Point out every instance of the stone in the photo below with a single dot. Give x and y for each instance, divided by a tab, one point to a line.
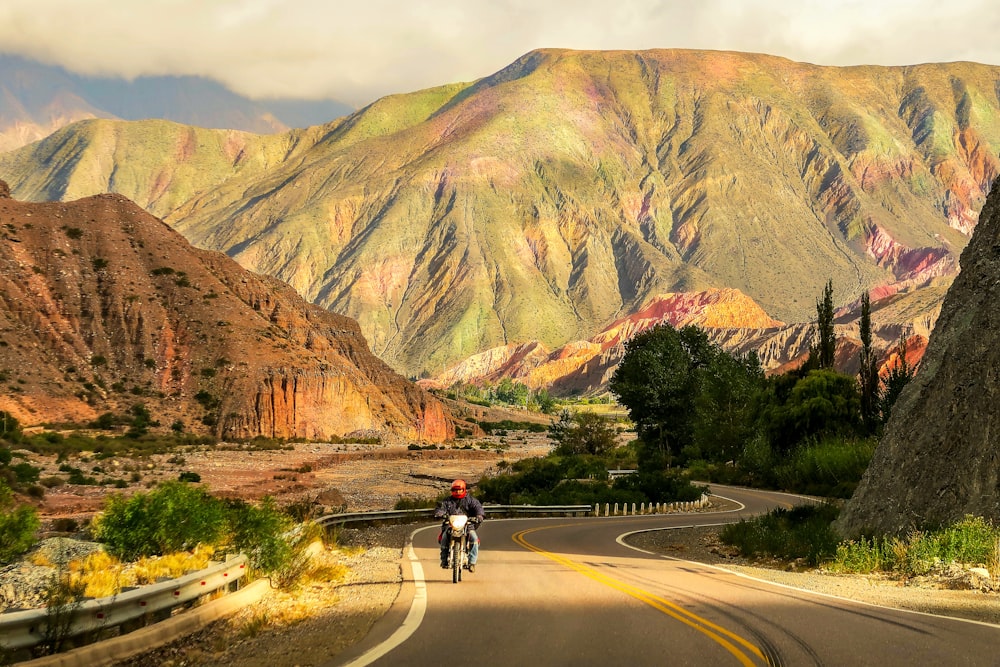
939	459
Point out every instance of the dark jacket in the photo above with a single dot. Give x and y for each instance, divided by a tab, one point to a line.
467	505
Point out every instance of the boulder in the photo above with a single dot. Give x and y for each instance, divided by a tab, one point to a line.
939	458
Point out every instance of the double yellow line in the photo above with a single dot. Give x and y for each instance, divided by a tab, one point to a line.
715	632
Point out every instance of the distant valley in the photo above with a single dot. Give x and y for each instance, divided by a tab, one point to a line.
522	224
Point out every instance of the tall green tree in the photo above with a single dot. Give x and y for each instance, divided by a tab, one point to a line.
584	433
868	377
726	406
687	396
826	342
822	403
657	382
899	375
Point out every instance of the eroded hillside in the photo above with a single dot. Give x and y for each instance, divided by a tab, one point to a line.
571	189
103	306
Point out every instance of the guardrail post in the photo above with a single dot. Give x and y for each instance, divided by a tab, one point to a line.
616	509
633	509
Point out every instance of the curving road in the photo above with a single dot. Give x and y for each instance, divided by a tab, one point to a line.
570	592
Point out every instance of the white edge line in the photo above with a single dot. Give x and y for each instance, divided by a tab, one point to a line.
413	618
418	608
621	538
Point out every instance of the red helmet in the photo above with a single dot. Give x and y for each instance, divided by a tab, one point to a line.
458	489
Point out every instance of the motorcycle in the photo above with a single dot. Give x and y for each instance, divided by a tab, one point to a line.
457	532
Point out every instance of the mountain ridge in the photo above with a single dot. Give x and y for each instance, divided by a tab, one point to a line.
546	201
38	99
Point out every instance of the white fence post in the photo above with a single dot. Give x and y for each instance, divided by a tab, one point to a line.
616	509
633	509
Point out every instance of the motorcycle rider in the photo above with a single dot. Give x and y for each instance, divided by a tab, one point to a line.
460	502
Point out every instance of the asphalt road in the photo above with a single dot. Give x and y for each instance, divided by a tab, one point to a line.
567	591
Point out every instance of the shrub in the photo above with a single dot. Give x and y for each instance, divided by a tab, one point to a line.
258	532
803	532
25	473
17	526
831	467
173	517
189	476
971	541
404	503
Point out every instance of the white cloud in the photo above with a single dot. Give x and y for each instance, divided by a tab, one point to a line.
356	53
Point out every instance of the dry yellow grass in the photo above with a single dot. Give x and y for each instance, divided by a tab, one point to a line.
149	570
101	575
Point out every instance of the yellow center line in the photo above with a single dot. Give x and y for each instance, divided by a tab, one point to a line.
715	632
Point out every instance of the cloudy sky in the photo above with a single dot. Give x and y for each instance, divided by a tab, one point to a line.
357	51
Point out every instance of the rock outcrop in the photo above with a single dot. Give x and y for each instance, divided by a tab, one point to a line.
940	457
103	306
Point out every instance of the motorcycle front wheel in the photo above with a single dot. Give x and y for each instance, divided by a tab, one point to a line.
456	562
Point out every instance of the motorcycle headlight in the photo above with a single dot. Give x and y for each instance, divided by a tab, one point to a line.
458	521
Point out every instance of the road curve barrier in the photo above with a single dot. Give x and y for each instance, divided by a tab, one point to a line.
94	619
611	509
410	516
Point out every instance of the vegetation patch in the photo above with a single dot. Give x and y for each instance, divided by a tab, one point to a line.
973	541
803	533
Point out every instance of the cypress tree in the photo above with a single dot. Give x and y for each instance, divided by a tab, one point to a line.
826	345
868	375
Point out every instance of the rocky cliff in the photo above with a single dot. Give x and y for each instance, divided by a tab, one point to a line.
103	306
940	457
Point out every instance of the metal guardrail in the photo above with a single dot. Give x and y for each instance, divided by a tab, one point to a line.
404	516
20	630
25	629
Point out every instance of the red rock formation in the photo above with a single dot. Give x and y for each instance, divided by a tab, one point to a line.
103	306
585	365
731	320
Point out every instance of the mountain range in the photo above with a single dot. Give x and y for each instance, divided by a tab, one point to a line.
571	193
37	99
103	306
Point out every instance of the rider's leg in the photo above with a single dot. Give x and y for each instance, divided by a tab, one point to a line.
445	547
473	547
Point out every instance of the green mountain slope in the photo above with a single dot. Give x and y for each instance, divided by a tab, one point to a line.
569	189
